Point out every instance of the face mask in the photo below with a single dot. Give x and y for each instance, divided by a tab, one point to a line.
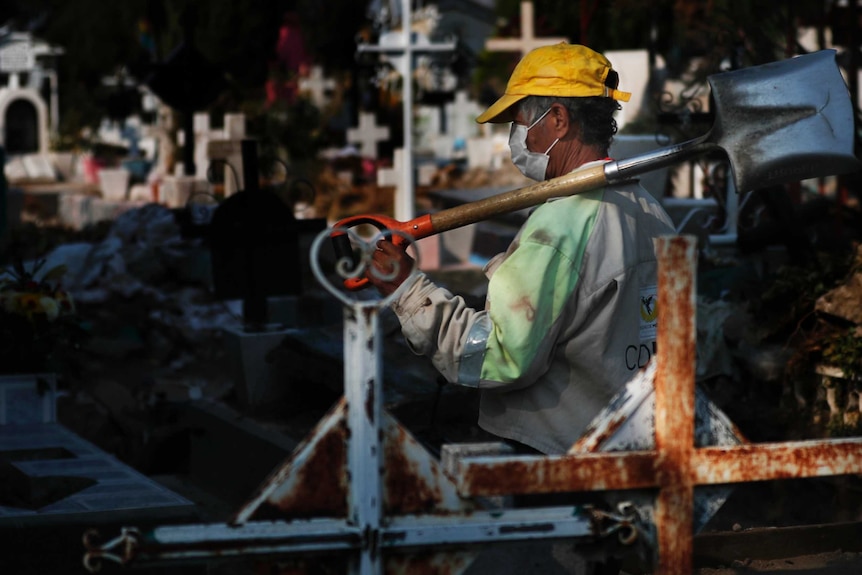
531	164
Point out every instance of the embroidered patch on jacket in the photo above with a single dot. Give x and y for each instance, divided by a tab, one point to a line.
648	312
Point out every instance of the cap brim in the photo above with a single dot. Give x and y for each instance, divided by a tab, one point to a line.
501	112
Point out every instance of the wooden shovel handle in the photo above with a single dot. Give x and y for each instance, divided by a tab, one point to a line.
579	181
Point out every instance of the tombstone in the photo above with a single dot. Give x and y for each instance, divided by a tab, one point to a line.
258	254
316	86
254	240
52	476
24	115
634	70
439	133
227	148
488	152
461	116
527	41
367	134
427	128
394	177
218	145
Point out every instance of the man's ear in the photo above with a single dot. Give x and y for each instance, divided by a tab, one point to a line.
562	124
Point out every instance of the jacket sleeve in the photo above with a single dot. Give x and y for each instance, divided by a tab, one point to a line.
511	343
441	326
508	345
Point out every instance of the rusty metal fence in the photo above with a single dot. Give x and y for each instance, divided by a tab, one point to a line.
361	487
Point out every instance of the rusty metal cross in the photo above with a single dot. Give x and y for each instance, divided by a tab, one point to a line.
675	467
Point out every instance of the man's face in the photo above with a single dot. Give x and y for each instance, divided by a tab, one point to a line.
539	133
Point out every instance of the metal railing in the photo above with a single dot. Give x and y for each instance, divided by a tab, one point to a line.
360	485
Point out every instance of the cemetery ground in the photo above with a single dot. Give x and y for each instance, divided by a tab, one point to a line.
153	386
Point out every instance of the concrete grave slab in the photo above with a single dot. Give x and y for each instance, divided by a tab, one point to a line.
50	450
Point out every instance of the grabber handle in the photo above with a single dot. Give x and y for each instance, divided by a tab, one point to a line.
416	228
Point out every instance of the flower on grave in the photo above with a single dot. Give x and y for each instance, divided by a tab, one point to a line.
40	330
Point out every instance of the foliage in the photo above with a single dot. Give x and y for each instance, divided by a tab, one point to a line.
844	351
786	312
40	330
787	301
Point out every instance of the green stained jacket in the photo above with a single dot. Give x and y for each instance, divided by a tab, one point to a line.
569	318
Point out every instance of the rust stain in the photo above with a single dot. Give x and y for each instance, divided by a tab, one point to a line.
591	443
524	304
587	472
320	483
407	491
758	462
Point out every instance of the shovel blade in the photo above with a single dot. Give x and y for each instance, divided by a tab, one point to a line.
785	121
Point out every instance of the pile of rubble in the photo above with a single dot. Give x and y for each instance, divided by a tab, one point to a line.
143	295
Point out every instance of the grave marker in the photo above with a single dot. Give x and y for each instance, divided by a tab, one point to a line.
391	176
400	52
228	149
461	116
527	41
317	86
634	70
367	134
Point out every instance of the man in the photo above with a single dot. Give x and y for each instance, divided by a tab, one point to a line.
563	328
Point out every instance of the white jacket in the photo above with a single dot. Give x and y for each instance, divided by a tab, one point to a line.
570	316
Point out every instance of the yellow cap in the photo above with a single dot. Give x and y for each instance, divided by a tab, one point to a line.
564	70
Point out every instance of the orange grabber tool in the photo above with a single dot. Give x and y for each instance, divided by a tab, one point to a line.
416	228
581	180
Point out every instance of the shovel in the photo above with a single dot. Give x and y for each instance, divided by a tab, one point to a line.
777	123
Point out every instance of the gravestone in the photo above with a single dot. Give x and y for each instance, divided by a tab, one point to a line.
28	399
50	475
428	129
441	133
634	70
259	253
251	231
461	116
317	86
227	149
394	177
367	134
54	476
527	41
24	114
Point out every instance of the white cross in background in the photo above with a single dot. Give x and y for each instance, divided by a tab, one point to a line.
527	41
461	116
403	52
367	134
316	86
227	147
392	176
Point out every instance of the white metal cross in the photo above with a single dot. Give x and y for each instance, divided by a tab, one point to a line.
367	134
391	176
405	207
316	85
527	41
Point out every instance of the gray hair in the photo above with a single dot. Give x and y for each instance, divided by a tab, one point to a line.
594	115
